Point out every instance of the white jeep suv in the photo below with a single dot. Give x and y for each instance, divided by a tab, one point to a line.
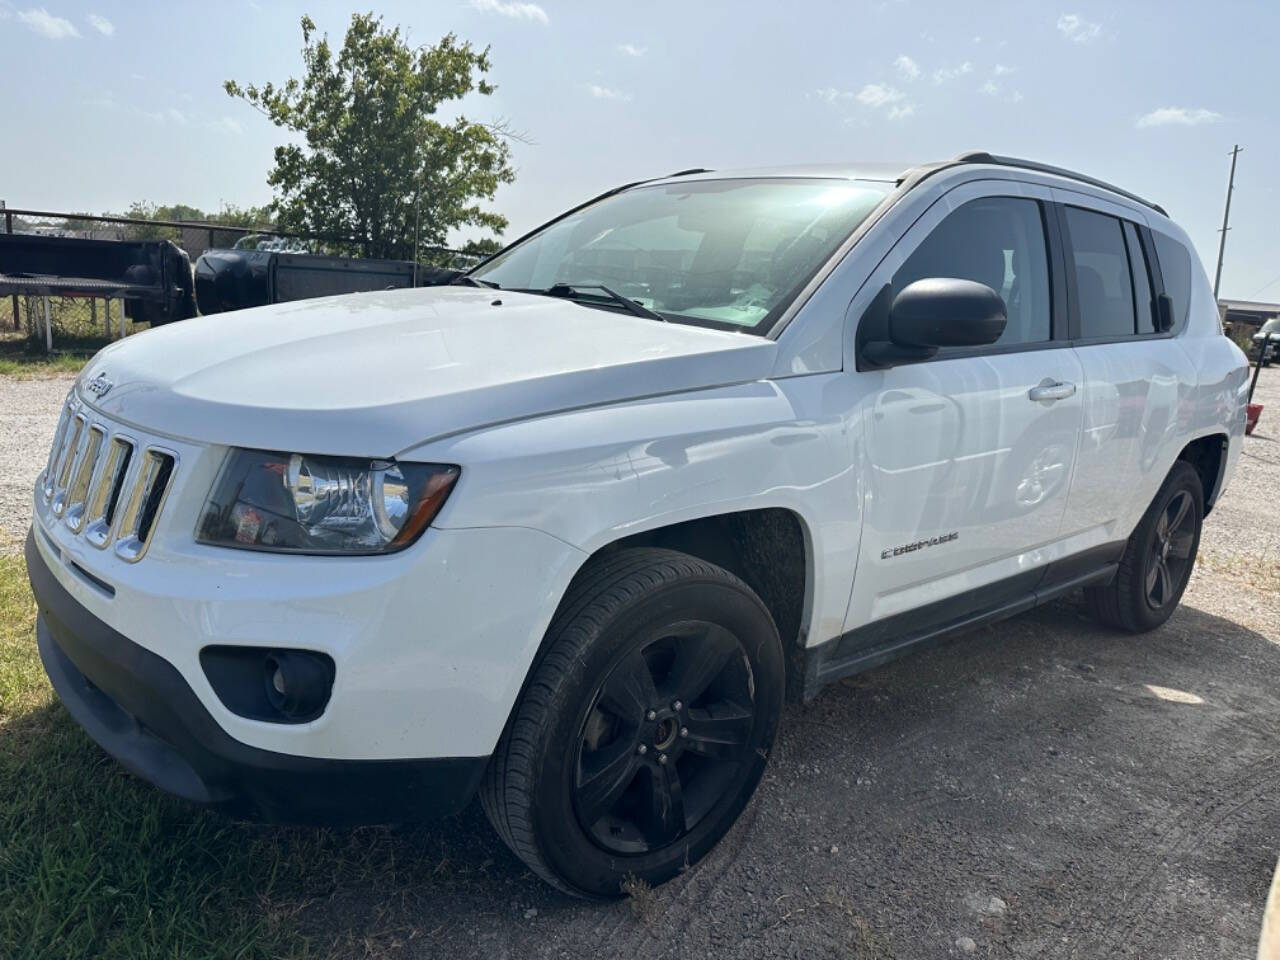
569	532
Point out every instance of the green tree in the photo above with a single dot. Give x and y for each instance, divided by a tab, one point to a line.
376	164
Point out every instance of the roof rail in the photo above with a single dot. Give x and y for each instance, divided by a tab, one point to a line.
980	156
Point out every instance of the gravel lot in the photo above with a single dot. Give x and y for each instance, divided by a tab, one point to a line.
29	411
1041	787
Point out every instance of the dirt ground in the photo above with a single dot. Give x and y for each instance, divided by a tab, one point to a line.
1040	788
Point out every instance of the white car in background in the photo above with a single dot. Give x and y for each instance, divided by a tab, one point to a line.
568	533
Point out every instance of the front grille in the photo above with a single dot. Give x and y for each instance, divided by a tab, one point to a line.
104	484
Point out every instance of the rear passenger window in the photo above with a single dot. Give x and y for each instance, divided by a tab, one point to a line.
1175	271
1104	285
1143	292
998	241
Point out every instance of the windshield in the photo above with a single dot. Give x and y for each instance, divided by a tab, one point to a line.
730	254
1271	326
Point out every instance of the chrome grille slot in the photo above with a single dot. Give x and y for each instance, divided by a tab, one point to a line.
82	475
102	483
147	490
46	485
66	462
105	492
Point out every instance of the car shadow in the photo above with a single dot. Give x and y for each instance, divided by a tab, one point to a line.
1078	775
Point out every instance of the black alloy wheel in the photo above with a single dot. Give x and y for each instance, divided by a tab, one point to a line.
645	724
1169	559
666	736
1158	557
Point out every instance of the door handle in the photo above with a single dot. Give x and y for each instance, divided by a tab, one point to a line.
1056	390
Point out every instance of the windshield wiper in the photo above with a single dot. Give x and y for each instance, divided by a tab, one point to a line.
466	281
567	290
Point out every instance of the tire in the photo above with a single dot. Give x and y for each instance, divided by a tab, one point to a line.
1158	558
601	775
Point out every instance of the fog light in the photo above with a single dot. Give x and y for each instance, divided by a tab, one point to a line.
298	683
273	685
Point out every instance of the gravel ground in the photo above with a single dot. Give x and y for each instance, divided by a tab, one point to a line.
1042	787
29	411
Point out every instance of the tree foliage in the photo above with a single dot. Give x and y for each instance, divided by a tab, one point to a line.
376	163
230	215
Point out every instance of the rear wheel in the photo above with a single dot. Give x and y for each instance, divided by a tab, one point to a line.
1158	558
644	729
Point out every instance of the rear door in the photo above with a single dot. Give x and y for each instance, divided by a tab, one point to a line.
970	453
1133	371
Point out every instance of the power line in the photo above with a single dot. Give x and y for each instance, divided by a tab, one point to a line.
1269	283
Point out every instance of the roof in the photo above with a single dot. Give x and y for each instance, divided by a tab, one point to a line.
880	172
898	172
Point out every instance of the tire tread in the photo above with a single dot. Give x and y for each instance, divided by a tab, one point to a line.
1115	604
604	587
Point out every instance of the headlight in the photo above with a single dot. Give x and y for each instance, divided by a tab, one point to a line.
297	503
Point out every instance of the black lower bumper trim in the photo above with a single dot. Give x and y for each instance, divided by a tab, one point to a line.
139	708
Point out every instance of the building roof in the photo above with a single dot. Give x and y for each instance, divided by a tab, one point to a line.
1250	306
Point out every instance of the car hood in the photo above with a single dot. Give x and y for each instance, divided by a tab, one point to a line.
374	374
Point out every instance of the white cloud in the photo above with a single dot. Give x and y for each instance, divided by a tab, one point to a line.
631	50
1178	116
1078	30
878	95
947	74
514	9
101	24
225	125
607	93
47	25
106	100
831	94
907	68
993	89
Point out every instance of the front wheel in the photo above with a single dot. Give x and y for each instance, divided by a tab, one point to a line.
645	727
1158	558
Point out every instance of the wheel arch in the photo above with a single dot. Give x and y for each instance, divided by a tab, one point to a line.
1208	454
770	549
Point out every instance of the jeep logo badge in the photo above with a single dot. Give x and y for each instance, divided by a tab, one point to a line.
99	386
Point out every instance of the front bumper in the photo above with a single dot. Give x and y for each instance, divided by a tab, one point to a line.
142	711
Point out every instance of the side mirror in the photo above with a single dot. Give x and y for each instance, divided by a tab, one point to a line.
946	312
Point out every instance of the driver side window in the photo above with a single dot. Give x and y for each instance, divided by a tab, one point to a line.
999	242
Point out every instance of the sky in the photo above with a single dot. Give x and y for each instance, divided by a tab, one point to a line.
103	103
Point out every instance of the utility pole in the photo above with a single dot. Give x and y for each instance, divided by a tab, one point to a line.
1226	215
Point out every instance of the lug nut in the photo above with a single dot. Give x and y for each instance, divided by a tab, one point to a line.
651	715
642	749
677	706
662	758
684	731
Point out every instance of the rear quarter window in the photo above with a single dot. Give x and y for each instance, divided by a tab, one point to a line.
1175	269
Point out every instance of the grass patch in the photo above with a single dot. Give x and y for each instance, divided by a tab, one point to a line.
24	358
95	863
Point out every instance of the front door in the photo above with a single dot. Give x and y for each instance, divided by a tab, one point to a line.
970	454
